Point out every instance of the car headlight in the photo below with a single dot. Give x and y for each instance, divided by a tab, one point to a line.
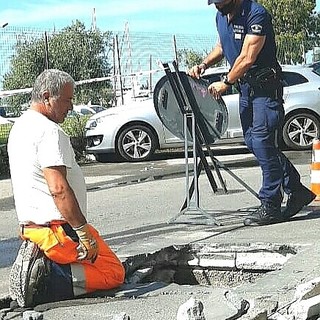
93	123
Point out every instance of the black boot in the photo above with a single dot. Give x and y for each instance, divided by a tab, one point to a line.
297	200
265	214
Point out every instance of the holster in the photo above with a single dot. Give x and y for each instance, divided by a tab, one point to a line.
263	78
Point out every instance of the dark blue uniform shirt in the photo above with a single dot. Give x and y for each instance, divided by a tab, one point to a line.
253	19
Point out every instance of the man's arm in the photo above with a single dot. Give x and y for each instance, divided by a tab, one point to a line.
251	48
63	196
67	204
213	57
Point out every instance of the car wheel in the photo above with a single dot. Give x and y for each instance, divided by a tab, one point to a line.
136	143
299	130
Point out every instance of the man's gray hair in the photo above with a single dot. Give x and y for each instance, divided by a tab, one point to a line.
51	80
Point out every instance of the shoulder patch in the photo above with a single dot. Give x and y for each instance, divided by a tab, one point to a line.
256	28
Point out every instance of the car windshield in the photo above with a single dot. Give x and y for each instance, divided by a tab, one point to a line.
3	112
290	78
293	78
86	111
316	68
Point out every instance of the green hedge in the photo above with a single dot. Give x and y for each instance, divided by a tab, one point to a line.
4	133
4	161
75	128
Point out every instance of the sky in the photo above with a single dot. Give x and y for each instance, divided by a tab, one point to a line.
165	16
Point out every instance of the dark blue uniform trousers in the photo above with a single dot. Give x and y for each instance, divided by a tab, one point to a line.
261	117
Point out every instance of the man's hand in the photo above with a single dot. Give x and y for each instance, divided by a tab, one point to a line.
88	246
197	71
216	89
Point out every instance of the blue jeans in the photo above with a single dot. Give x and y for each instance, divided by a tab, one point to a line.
261	117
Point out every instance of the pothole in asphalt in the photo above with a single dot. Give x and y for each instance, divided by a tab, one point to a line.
218	265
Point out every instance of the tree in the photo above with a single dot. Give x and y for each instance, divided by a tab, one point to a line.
296	28
190	58
80	52
314	34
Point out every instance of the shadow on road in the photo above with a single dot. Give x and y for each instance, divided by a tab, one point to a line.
178	153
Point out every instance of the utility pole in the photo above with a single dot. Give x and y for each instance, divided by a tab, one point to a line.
150	75
94	20
118	73
128	64
46	50
175	51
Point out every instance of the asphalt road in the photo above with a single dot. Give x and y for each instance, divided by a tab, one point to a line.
171	163
133	219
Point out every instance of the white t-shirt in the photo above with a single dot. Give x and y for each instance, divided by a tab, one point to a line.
35	142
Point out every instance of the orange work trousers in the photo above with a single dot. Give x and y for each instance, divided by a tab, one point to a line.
106	272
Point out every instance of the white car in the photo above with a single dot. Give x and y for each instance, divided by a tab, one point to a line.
6	117
4	120
134	131
88	109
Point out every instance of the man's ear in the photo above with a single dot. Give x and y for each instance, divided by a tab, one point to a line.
45	97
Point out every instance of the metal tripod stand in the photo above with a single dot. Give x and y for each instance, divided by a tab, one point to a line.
195	125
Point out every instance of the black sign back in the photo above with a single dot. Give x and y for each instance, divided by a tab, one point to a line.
209	112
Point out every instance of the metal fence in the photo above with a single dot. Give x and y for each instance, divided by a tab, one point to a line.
138	58
138	51
139	54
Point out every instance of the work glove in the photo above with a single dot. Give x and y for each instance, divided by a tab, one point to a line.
88	246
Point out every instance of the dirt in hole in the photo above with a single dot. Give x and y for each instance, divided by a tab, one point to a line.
215	278
217	265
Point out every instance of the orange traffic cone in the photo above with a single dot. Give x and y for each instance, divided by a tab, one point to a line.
315	169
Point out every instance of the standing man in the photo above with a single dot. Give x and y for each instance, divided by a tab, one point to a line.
50	199
247	41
